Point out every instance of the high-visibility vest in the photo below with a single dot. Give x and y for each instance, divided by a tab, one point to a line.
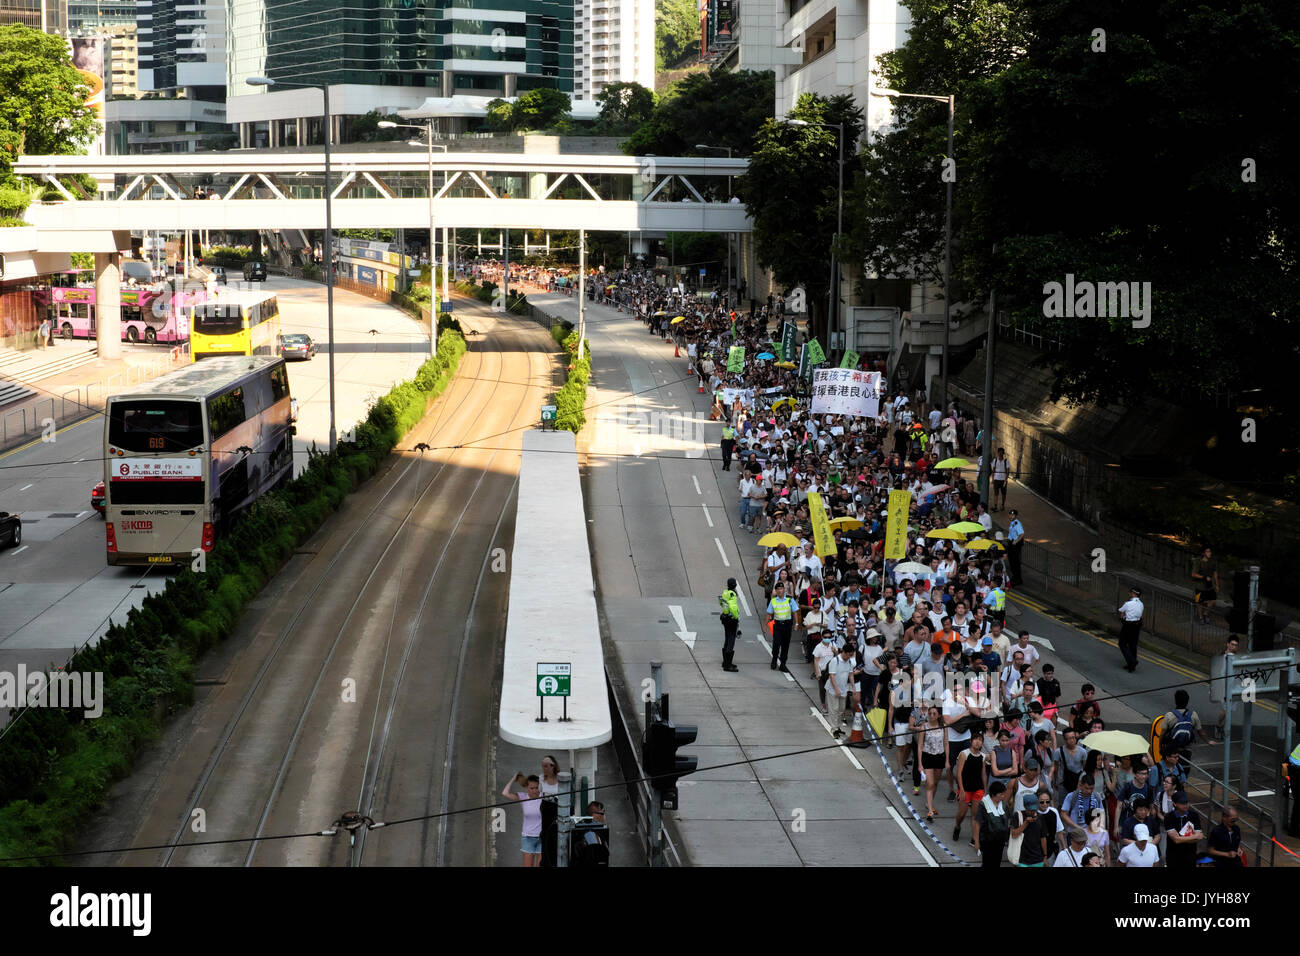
999	599
1295	756
781	609
728	434
729	603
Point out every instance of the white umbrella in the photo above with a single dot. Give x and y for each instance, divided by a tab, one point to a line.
909	569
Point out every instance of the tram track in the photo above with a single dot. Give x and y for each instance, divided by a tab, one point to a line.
391	541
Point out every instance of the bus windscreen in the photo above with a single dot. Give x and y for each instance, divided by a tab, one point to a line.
155	425
215	318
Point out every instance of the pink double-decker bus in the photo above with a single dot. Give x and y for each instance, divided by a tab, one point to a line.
156	313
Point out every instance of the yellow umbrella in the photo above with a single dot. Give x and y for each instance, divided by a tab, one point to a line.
954	463
784	401
774	538
786	365
946	533
967	527
845	524
1118	743
680	318
984	544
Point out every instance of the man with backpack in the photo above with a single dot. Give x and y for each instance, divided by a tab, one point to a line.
1181	727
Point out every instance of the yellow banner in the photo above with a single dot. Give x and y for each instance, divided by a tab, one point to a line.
900	503
822	537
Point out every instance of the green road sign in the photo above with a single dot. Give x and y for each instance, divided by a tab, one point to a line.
553	680
548	413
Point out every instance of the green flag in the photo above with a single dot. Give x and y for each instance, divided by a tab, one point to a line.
815	354
850	360
789	335
777	349
805	367
736	359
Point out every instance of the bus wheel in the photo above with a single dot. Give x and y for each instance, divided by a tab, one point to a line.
67	330
150	335
131	334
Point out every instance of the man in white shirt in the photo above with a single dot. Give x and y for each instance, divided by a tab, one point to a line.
1130	613
1073	854
985	519
809	563
1142	852
1023	645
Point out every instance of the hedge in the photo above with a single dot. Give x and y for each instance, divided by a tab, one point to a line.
56	766
571	399
487	292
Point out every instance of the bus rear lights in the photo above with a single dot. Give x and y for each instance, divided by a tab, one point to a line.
208	536
111	536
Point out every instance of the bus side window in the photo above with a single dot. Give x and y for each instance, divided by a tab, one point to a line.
226	412
254	315
279	382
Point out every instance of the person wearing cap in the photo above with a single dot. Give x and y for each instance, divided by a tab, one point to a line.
1141	852
783	617
1031	828
1074	853
994	824
1183	825
730	618
1130	614
989	656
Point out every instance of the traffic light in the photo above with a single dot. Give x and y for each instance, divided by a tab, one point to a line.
661	761
1239	615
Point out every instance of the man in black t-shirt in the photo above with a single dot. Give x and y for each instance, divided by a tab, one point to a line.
1181	851
1033	848
1225	841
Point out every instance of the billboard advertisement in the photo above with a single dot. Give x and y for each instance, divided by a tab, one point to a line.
88	55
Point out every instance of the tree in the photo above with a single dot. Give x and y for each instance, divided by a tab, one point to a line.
42	98
365	129
677	32
720	109
624	107
541	108
499	116
792	193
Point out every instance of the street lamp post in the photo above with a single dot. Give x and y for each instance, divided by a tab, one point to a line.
433	261
832	316
727	273
947	229
329	237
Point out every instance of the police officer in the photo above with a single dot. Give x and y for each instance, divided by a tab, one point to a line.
1015	545
728	443
996	602
783	616
730	618
1130	613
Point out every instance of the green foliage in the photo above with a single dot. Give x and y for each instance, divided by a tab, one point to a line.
365	129
677	32
792	189
541	108
720	109
55	766
499	116
12	222
571	399
42	98
228	255
623	108
560	332
83	260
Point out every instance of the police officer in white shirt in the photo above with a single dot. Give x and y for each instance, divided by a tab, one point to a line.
1130	613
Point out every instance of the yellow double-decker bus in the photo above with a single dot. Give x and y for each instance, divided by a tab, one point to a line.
235	322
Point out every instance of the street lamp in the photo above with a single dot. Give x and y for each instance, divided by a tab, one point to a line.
727	274
433	321
834	313
947	231
329	235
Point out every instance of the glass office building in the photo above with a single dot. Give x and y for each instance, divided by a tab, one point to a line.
444	47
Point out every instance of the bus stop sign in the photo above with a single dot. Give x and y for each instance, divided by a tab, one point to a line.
553	680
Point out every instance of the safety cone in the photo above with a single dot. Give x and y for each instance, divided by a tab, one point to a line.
701	386
677	350
856	738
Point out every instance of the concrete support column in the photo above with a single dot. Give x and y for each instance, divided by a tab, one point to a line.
583	763
108	305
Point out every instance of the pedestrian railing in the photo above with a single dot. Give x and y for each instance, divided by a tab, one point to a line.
1075	583
51	412
1208	795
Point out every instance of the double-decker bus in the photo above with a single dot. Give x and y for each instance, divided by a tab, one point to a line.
149	314
186	453
234	322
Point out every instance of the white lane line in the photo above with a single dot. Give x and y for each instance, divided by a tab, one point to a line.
843	749
766	646
706	514
80	513
19	550
24	487
725	562
80	460
697	485
743	603
929	860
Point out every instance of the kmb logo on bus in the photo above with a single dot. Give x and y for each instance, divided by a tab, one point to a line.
137	525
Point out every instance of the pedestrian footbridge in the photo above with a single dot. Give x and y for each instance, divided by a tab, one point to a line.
263	189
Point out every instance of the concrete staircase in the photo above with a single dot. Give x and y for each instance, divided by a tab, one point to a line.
21	367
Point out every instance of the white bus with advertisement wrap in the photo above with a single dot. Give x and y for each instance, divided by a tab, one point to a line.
186	453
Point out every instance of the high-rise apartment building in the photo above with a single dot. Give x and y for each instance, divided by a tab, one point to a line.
614	42
182	45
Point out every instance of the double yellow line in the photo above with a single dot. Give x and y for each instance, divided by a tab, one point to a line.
1169	665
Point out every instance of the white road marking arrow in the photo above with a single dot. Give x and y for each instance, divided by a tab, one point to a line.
688	637
1042	640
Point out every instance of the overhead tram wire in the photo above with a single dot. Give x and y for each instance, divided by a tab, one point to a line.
836	745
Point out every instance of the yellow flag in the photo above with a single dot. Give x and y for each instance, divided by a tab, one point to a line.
822	537
900	502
